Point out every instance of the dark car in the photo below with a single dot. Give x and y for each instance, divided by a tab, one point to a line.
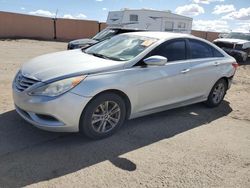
236	45
101	36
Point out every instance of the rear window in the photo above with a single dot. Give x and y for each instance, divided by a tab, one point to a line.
200	49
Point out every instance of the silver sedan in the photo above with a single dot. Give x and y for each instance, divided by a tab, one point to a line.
130	75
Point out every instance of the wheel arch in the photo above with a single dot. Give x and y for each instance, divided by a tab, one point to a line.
227	81
118	92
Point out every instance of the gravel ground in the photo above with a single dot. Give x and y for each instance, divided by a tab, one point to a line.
193	146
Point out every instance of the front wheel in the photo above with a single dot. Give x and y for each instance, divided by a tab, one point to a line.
103	116
217	93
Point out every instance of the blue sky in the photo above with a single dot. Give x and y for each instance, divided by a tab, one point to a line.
213	15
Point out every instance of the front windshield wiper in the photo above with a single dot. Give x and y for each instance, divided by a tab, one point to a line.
105	57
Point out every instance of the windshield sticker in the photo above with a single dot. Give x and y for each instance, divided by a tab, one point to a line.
148	42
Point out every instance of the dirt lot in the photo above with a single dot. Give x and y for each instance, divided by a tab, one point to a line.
187	147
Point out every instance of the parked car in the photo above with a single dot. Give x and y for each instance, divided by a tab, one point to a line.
131	75
101	36
236	45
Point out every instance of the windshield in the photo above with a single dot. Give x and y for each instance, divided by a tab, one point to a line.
242	36
104	34
121	47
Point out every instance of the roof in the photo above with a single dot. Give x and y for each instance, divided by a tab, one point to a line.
153	10
161	35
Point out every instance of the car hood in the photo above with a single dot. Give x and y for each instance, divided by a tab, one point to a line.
67	63
245	43
234	41
83	41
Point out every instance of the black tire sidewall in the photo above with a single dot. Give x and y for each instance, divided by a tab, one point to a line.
85	122
210	101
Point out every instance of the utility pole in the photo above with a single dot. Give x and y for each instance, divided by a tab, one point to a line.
54	22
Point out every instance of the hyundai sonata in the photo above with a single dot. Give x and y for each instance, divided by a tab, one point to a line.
130	75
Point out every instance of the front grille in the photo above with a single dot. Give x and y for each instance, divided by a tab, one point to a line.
224	45
22	83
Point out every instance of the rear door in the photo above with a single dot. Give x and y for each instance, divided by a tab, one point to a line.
204	67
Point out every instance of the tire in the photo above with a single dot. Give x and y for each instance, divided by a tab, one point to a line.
103	116
217	93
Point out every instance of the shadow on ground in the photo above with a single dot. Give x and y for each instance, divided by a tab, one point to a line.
29	155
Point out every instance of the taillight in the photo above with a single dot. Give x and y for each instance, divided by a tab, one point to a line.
235	65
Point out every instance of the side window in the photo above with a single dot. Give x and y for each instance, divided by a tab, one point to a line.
217	53
133	17
173	50
199	49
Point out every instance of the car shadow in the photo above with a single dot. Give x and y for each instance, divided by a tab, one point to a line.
29	155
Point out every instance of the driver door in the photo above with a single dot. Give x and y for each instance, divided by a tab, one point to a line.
167	84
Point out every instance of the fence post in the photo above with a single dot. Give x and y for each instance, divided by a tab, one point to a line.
54	23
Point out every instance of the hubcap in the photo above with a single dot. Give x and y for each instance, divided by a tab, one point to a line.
106	116
218	93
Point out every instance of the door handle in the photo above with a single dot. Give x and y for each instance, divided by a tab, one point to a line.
185	71
216	63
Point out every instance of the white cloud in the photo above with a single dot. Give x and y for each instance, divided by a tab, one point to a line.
99	0
43	13
81	16
207	1
22	8
104	9
190	10
211	25
220	9
68	16
242	14
243	27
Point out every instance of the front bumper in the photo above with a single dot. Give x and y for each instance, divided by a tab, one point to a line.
60	114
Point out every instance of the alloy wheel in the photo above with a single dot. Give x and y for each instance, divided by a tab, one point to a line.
106	116
218	93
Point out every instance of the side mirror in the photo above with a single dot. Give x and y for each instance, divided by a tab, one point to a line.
156	60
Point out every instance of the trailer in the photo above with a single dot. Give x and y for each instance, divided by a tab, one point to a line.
147	19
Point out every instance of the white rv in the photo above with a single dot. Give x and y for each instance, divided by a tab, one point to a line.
148	19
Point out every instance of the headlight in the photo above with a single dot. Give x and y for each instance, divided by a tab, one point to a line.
57	88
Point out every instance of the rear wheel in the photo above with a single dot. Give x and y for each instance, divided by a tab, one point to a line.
103	116
217	93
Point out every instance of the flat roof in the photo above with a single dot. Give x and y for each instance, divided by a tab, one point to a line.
153	10
161	35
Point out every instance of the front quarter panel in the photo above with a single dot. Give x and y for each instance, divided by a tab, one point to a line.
125	81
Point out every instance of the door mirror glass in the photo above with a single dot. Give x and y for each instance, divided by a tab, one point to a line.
156	60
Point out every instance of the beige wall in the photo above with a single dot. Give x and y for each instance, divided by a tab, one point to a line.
210	36
19	25
14	25
74	29
103	25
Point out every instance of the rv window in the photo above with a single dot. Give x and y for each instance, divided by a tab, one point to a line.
133	18
169	26
181	25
